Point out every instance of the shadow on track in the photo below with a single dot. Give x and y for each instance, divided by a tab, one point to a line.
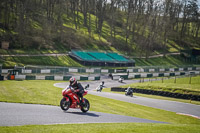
81	113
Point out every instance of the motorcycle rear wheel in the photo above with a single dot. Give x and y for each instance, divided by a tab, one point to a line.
86	106
64	104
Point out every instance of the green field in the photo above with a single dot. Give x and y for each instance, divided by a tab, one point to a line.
43	92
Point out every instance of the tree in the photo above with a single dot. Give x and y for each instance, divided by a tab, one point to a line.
112	13
193	16
100	13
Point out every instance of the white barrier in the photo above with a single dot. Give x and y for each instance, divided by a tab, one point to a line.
104	70
166	74
91	78
58	77
45	71
89	70
73	70
40	77
20	77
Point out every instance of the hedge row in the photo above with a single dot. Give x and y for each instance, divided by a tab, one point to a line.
160	93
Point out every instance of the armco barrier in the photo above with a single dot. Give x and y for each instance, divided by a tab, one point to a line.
64	70
1	77
125	76
49	77
96	78
30	77
83	78
66	78
160	93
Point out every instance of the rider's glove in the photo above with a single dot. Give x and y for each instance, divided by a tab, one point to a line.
72	89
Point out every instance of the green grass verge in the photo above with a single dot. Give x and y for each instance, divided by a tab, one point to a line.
105	128
43	92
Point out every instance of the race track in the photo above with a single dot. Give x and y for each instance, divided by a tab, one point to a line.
16	114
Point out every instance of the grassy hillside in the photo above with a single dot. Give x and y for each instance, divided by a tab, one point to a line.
55	27
60	29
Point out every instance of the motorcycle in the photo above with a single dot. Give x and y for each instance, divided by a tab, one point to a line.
70	100
129	92
121	79
100	87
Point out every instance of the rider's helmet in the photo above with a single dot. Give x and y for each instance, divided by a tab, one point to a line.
102	82
72	81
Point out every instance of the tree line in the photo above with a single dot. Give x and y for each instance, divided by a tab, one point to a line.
145	25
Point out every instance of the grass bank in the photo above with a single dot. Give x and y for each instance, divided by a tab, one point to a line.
10	62
169	60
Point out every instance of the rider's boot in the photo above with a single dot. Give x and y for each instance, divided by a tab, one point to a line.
82	102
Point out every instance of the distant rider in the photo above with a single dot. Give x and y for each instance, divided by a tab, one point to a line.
79	90
100	87
102	84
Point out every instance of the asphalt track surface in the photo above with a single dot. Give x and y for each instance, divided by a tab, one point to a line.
16	114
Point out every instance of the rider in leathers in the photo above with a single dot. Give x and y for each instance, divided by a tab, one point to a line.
79	90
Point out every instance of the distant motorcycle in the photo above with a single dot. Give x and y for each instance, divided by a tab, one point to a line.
100	87
121	79
70	100
129	92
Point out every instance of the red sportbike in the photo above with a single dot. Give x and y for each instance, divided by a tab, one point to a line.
70	100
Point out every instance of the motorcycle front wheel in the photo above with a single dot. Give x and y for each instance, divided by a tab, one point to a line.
86	106
64	104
